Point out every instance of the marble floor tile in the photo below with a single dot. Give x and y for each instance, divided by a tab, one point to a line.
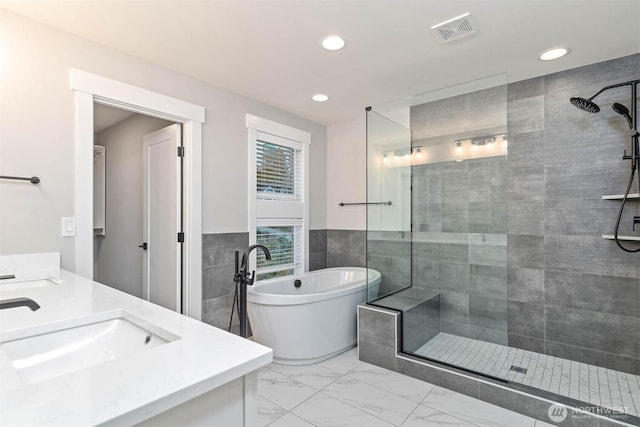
268	411
315	376
375	401
473	410
290	420
323	410
342	363
424	416
401	385
345	392
282	390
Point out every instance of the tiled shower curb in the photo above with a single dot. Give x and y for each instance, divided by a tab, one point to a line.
379	332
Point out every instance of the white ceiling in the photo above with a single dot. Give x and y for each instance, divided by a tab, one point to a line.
270	50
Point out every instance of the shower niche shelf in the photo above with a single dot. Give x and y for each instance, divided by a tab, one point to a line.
625	238
634	196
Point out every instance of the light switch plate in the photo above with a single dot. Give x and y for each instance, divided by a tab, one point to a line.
68	226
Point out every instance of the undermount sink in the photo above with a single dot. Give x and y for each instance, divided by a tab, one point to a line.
46	351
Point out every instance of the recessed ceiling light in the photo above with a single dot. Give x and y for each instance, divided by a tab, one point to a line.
333	42
320	97
555	53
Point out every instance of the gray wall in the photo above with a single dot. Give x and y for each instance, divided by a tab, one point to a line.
117	256
571	293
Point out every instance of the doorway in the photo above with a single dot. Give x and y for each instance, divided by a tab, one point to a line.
89	88
137	194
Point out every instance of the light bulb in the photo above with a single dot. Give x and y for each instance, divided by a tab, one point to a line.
459	147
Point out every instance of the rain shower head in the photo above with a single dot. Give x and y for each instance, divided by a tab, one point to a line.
623	111
585	104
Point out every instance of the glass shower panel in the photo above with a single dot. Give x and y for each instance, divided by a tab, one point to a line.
454	304
388	202
460	230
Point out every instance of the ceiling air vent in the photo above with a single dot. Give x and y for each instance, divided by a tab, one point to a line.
454	29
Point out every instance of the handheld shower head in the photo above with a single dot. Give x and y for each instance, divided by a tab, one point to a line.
585	104
623	111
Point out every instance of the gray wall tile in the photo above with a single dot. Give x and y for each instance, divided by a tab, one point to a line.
317	261
585	291
593	357
346	241
531	406
526	343
218	249
438	376
345	260
378	355
218	281
593	330
346	248
317	241
377	327
526	251
526	319
526	284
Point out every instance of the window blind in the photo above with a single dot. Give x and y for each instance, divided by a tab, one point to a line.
285	244
279	171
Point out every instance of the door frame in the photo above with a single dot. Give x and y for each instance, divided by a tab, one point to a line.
89	88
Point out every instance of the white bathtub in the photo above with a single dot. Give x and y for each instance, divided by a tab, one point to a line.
313	322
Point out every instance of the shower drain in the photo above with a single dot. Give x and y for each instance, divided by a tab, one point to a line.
518	369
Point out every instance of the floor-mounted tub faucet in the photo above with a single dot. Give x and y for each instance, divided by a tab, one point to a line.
244	279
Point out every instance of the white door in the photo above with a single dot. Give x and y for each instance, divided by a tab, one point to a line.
162	218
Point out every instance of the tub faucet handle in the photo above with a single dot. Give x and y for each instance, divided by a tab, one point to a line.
252	279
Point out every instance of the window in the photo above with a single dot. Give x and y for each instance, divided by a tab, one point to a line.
278	200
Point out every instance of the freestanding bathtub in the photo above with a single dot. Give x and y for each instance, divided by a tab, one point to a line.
314	321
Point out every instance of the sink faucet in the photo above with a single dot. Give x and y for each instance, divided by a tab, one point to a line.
19	302
244	279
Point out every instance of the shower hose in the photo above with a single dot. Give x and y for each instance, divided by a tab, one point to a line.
624	201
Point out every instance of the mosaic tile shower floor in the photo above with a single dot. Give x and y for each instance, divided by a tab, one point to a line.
600	386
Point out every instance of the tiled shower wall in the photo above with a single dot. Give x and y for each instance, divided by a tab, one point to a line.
571	293
467	267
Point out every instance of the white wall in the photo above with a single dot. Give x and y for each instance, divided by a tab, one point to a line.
36	135
119	260
346	175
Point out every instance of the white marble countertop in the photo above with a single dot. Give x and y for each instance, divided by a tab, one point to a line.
125	390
